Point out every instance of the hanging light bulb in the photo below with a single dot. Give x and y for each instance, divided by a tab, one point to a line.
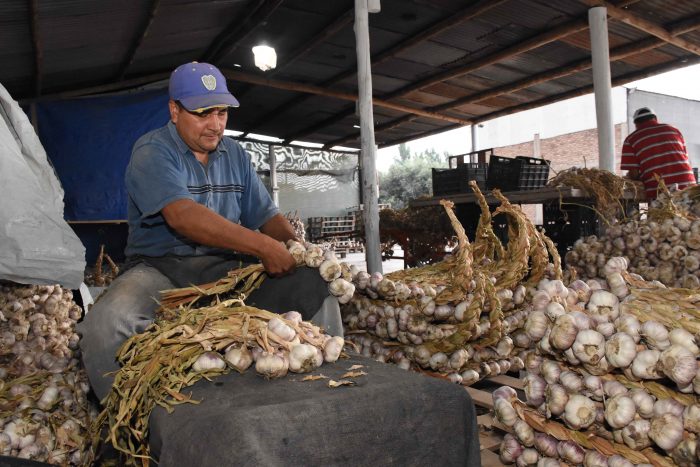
265	57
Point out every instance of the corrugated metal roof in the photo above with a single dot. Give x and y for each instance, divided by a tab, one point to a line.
467	69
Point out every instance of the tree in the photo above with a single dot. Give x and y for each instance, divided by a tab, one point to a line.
410	176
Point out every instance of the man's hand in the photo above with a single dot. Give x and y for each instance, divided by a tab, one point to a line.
204	226
276	259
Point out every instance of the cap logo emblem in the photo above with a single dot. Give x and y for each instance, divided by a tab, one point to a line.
209	82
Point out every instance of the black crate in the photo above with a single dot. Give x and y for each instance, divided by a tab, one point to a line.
521	173
503	173
565	224
533	173
451	181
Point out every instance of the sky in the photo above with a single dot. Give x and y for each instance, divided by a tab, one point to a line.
684	82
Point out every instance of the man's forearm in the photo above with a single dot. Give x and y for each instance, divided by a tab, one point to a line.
204	226
279	228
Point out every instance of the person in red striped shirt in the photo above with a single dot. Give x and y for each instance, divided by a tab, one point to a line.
655	148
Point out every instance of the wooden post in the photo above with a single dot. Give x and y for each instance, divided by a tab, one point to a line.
370	190
602	87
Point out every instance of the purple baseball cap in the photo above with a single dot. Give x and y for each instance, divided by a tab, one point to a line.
200	86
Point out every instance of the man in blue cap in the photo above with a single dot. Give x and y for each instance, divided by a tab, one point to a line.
195	205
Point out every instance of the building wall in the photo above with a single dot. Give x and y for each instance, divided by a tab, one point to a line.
579	149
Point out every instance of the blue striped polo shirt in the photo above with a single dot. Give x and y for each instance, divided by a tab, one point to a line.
163	169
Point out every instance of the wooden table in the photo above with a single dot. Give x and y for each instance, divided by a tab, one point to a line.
538	196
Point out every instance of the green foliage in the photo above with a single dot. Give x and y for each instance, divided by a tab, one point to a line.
409	176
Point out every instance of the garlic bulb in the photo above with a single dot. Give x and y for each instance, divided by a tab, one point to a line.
619	411
302	358
589	346
534	388
580	412
536	325
636	434
524	433
529	457
645	365
594	459
279	328
594	387
685	454
313	257
329	270
679	364
666	431
505	412
680	336
556	398
510	449
546	444
617	460
239	358
603	306
271	365
668	406
620	350
691	418
571	382
332	348
209	361
563	332
643	401
630	325
570	452
297	250
655	334
550	371
614	388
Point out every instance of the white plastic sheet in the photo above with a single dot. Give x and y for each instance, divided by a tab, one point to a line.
37	246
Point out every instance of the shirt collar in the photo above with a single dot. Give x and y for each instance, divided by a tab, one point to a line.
647	124
184	149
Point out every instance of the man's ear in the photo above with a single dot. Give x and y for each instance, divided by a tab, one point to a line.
174	110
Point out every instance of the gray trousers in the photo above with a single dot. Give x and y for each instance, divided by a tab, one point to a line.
129	304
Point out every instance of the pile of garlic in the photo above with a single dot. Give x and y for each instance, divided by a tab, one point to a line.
44	411
596	368
409	333
292	345
664	245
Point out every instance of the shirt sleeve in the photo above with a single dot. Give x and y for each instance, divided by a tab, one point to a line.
257	206
628	160
154	179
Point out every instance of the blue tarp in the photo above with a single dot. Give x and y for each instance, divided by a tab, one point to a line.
89	142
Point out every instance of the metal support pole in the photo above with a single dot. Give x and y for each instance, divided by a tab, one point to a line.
273	174
475	143
600	52
370	190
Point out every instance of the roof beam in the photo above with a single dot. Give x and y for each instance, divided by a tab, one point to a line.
549	35
328	31
38	49
131	54
619	81
642	24
319	91
525	46
239	29
467	13
618	53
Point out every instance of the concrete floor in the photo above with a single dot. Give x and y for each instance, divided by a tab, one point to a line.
358	259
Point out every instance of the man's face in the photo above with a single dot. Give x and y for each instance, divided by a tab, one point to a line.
203	131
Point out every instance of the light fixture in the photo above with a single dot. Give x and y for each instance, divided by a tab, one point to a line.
265	57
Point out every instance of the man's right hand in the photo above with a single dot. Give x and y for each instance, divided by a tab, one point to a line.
276	259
